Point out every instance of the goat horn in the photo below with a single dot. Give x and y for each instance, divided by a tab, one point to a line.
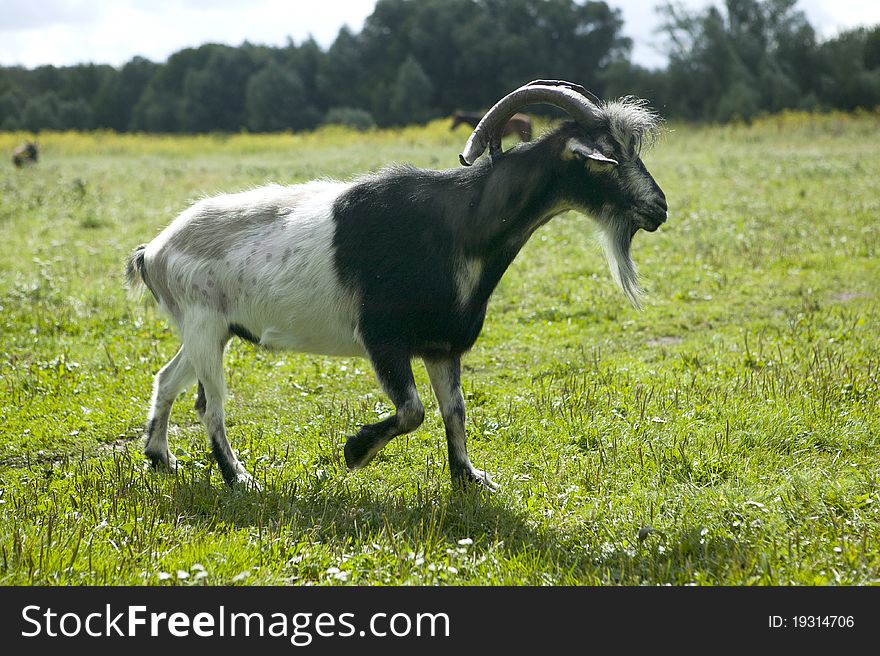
589	95
573	98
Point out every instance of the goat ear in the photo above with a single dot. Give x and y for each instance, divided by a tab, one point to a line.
575	149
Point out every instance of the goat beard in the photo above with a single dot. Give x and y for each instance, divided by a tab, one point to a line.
616	240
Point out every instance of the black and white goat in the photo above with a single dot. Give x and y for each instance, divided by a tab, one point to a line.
395	265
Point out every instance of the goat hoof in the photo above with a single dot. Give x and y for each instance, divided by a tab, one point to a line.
244	481
477	479
164	463
358	452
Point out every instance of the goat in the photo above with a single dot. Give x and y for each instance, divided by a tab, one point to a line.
519	124
395	265
26	153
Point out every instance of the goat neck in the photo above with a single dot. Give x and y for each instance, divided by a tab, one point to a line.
510	197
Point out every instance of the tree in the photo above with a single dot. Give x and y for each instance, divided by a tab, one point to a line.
359	119
276	100
412	97
341	77
156	111
418	59
75	115
159	109
844	80
871	57
41	113
11	104
214	94
116	99
622	78
736	62
305	60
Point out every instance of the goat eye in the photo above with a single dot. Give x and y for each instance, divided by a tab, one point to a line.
596	166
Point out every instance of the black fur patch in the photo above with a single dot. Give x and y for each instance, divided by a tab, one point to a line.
227	468
243	333
407	279
201	401
401	233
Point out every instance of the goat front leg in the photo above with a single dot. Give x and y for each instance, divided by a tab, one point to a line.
445	375
394	372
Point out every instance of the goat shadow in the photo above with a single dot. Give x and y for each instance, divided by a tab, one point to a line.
336	510
343	511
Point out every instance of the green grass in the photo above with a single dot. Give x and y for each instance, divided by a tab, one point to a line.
726	434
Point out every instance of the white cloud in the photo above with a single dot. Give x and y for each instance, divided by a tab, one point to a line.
67	32
19	16
64	32
828	18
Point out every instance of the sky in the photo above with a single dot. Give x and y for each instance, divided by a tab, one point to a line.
65	32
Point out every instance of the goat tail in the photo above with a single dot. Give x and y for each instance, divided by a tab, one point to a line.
135	277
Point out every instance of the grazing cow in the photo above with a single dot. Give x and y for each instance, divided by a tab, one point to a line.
25	154
518	124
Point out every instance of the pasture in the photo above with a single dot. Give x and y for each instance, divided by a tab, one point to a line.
727	434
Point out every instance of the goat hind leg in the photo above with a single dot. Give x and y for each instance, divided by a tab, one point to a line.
394	372
205	340
169	382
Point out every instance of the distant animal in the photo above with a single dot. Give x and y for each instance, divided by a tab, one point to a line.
26	153
392	266
519	124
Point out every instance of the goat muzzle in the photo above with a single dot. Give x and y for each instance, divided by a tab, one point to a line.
652	216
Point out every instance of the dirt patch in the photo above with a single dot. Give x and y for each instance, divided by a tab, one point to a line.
665	341
848	296
117	445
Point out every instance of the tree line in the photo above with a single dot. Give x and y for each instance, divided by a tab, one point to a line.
415	60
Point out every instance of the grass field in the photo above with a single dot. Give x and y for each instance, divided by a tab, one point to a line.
727	434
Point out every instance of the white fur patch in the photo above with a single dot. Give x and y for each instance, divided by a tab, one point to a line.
275	274
633	125
620	264
468	273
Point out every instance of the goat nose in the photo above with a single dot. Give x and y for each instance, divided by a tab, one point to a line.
661	202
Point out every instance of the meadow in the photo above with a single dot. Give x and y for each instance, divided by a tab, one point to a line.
726	434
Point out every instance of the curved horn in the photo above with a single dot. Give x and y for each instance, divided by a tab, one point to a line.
572	98
589	95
